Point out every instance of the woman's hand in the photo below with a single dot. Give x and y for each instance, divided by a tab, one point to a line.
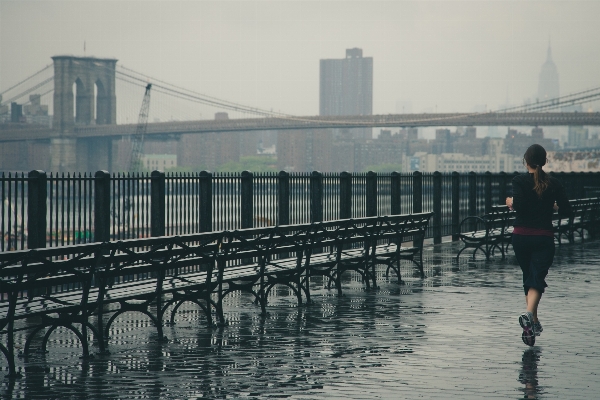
509	203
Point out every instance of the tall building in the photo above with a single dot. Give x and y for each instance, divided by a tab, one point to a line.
304	150
548	89
346	88
209	151
578	137
548	85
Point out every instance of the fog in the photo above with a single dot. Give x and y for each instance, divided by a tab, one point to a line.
428	56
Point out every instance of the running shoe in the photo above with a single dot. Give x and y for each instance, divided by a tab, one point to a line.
526	322
537	328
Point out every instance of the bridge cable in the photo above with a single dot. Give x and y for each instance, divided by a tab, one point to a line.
25	80
207	100
31	89
188	97
222	102
550	102
213	101
555	104
547	104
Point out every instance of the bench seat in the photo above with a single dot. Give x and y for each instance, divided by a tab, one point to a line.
166	271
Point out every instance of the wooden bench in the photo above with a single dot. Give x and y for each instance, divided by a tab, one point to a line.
494	230
341	246
402	239
586	217
66	286
359	245
45	284
488	233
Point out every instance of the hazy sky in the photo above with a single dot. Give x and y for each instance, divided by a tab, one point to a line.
435	55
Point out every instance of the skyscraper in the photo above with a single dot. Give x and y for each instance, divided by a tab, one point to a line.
346	87
548	86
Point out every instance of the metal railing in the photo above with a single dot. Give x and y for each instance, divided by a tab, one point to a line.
70	205
13	188
46	211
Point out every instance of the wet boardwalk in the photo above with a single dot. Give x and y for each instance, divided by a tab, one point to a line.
454	334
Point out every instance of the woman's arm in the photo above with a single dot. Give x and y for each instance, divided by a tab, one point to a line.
518	202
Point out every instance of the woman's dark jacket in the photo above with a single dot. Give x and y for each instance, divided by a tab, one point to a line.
533	211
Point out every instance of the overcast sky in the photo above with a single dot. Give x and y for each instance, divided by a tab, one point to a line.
428	55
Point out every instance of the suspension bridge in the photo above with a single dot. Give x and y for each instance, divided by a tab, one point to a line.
82	92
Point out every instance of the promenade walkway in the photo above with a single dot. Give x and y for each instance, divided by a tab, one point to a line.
454	334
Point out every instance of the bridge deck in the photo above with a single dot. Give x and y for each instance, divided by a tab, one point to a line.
14	132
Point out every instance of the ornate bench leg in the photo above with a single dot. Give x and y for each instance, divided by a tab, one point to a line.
374	274
80	335
305	285
9	354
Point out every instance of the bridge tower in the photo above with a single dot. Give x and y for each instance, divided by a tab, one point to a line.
84	94
94	80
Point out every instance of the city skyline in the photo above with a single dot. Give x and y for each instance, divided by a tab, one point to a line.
433	56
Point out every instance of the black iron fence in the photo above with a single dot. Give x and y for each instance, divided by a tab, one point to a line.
38	210
12	224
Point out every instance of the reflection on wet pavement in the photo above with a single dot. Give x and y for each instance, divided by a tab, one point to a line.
528	375
452	335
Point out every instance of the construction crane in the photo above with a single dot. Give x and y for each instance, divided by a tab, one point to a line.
137	140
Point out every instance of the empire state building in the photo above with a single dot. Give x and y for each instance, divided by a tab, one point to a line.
548	86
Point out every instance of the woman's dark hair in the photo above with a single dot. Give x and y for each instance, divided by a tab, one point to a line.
535	157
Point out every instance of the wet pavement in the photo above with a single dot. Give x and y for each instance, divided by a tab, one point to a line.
454	334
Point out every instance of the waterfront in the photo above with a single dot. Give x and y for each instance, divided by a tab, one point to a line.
453	335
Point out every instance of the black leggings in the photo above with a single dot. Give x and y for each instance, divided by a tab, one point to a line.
535	255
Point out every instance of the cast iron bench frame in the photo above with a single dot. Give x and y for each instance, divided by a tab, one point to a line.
494	229
65	286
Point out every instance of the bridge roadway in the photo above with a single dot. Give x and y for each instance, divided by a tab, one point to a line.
14	132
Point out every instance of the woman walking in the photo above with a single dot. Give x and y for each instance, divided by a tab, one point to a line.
535	198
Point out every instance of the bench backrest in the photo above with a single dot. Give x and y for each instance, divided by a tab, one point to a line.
403	228
500	218
44	271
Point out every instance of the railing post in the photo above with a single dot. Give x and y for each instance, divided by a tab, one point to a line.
247	199
455	205
316	196
587	179
570	184
472	194
417	192
283	198
581	185
437	207
395	194
487	193
510	179
102	206
37	192
502	192
371	197
205	212
561	177
157	203
345	195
